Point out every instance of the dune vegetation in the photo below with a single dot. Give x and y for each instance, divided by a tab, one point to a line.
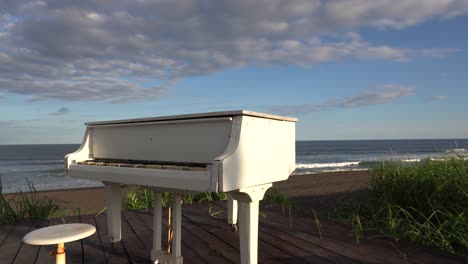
26	205
425	202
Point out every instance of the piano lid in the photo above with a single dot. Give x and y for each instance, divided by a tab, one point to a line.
194	116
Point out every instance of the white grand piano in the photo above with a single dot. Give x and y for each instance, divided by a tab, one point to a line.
238	152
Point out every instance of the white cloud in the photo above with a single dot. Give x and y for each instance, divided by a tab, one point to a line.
61	111
112	50
438	97
383	94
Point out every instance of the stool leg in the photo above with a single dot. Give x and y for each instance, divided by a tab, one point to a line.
113	200
60	254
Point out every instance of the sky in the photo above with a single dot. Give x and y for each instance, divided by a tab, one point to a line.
348	69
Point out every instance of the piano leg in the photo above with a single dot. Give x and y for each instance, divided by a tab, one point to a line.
157	225
248	199
232	212
159	256
248	233
177	225
113	203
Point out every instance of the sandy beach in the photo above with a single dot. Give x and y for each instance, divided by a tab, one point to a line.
319	191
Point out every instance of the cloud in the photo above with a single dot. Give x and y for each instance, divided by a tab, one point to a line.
383	94
114	51
8	122
438	97
61	111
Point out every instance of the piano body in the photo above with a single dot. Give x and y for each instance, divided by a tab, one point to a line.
238	152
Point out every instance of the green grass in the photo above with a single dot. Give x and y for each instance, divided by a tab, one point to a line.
426	202
26	205
275	197
142	198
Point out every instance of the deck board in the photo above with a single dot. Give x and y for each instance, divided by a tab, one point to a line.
189	254
267	253
115	253
132	244
27	253
294	251
308	237
12	244
93	251
208	239
5	231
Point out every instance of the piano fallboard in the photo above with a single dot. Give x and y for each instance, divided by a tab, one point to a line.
195	179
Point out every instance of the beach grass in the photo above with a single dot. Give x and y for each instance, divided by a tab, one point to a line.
26	205
426	202
141	198
275	197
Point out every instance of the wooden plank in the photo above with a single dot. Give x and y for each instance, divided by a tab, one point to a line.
134	247
214	244
28	253
336	241
219	228
143	232
5	230
291	249
13	242
284	240
93	251
347	250
190	255
115	253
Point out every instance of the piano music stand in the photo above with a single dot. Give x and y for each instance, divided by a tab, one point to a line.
59	234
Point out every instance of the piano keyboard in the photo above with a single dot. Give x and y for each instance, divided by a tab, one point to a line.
141	164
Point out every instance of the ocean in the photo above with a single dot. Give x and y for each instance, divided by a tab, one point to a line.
42	165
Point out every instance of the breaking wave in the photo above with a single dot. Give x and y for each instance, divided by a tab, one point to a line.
326	165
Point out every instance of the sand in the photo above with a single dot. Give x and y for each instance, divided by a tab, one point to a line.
319	191
323	191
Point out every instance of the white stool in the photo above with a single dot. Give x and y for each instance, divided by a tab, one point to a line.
59	234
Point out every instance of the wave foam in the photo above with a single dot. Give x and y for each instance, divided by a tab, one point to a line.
411	160
326	165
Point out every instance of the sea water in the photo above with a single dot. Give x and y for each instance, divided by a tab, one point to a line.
42	165
346	155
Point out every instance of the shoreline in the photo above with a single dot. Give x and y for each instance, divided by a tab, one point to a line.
302	187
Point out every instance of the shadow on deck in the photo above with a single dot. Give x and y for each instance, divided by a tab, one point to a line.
207	238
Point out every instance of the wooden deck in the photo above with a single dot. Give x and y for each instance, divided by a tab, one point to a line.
207	238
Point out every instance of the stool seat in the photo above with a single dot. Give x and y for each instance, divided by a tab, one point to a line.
59	234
